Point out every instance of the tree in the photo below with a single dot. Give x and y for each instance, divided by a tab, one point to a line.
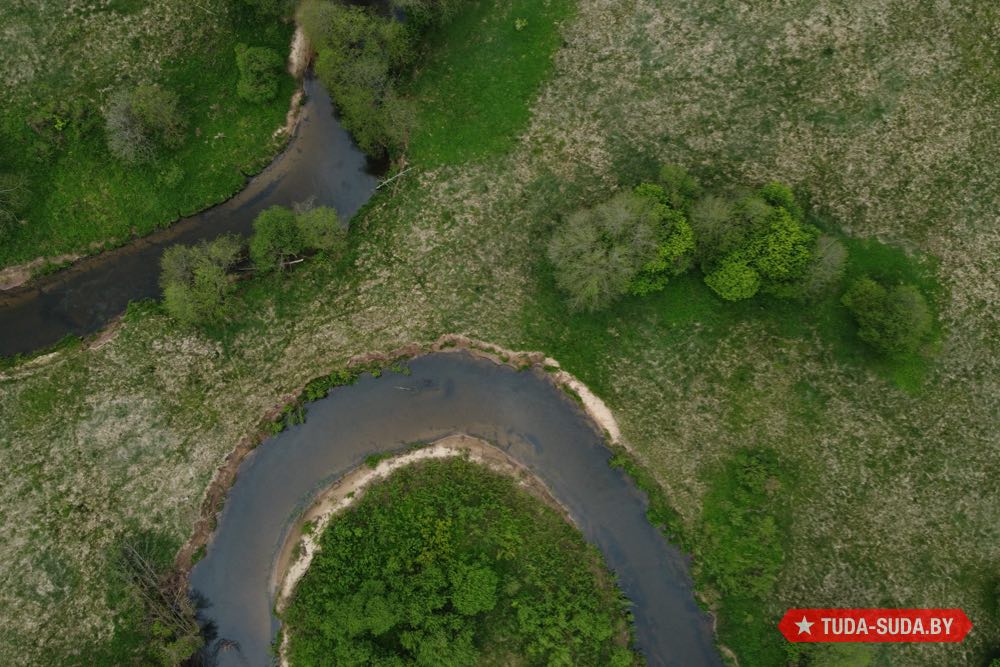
892	320
321	229
734	279
195	281
675	242
259	68
755	244
682	189
138	121
276	237
598	252
361	55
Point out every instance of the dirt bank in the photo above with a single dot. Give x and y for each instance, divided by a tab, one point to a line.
599	414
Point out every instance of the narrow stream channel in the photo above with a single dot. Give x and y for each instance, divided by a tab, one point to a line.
320	161
446	393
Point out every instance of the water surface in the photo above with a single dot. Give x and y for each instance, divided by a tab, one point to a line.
524	415
321	162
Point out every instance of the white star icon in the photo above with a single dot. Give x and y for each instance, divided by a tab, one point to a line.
804	626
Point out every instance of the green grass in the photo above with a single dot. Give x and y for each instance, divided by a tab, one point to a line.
475	95
451	560
82	199
687	305
880	484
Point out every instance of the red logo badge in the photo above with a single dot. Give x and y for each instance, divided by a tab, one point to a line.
875	625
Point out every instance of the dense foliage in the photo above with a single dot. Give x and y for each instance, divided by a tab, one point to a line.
259	69
361	55
757	242
744	244
275	238
195	279
892	320
447	563
280	234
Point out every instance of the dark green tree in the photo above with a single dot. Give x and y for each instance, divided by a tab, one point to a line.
895	321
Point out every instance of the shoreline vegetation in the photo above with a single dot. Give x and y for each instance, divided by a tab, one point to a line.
301	543
746	420
52	136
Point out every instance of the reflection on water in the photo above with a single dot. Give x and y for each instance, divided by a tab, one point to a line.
321	161
446	393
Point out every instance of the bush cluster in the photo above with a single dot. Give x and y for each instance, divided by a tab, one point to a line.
195	279
447	563
744	244
893	320
362	57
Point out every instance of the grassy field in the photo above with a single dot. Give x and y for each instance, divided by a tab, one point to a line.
474	95
882	479
462	564
68	60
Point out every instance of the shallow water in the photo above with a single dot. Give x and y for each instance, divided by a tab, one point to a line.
524	415
320	161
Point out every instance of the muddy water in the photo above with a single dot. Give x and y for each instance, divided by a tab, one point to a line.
320	161
446	393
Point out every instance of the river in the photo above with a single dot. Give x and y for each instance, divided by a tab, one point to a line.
320	161
446	393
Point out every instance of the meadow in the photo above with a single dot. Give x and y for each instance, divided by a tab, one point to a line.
67	62
878	481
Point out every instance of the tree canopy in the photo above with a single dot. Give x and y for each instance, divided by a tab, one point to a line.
446	563
599	251
893	320
195	279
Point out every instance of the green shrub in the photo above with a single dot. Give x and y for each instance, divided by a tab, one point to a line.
734	279
598	252
276	238
321	229
448	563
892	320
675	242
259	69
195	280
756	244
